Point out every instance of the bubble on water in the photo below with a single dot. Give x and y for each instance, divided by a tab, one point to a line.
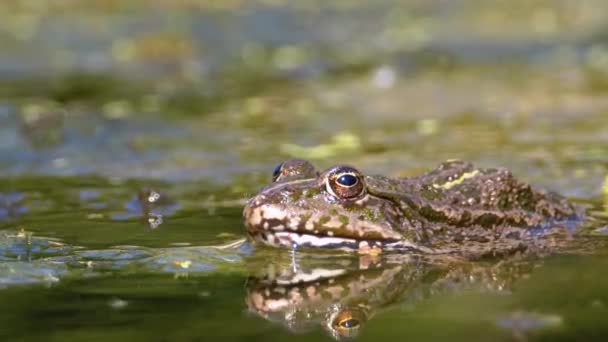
117	303
155	220
384	77
153	196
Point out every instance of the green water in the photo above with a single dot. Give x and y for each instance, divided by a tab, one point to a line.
106	104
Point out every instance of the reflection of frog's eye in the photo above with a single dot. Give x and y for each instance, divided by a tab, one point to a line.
345	182
277	172
347	322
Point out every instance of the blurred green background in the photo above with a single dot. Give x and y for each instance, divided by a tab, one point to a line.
220	89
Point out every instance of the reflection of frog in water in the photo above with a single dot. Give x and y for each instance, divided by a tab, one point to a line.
454	209
342	295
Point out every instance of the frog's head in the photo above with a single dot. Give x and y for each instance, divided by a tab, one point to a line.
331	209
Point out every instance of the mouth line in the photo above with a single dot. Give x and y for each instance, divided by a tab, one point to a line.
296	239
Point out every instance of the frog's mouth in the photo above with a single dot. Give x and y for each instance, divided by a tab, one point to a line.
287	239
284	239
266	226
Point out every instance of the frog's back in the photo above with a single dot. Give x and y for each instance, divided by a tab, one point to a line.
491	196
458	202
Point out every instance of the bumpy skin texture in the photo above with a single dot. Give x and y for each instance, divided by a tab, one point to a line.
455	208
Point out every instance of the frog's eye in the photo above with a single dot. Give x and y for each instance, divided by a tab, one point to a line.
277	172
345	182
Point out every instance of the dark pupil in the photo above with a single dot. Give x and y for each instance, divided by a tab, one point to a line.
277	171
347	180
349	323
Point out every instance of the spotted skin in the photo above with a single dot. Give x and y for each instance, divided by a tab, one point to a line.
456	208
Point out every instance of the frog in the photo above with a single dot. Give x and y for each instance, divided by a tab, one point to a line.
454	209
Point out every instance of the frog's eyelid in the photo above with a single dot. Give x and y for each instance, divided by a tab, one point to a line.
329	189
